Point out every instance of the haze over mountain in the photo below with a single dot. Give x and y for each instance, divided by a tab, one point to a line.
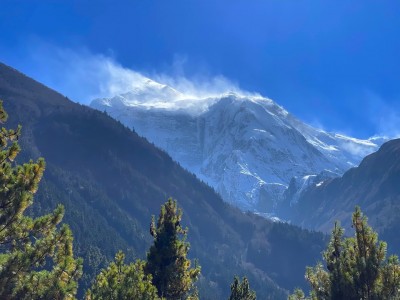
244	145
111	181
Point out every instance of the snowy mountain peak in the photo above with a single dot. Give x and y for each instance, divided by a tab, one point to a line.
149	94
244	145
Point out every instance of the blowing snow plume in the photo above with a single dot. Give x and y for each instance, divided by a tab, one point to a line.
84	76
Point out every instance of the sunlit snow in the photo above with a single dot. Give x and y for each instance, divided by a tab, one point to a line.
244	145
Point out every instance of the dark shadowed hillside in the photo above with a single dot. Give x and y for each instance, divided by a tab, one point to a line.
374	185
111	181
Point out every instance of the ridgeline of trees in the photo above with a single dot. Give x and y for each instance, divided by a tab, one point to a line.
37	260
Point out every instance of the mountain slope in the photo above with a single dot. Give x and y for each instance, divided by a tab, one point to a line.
373	185
245	146
111	182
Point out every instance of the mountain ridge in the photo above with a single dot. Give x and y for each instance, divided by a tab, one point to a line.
111	181
372	185
245	146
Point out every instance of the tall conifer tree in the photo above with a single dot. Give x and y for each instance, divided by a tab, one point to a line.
36	258
241	290
167	260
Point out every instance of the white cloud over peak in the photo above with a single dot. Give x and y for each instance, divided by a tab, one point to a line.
83	76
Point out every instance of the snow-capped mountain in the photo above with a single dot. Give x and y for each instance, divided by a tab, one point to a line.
246	146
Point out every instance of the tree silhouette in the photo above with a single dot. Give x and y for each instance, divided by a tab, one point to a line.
36	258
167	258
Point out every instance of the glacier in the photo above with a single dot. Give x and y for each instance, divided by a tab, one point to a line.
246	146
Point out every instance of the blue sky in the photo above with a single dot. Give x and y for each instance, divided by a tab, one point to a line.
335	64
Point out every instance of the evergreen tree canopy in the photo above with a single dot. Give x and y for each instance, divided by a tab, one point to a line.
166	260
297	295
356	267
36	258
122	282
241	290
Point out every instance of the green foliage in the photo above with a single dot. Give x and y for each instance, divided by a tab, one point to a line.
390	279
297	295
121	281
166	259
241	290
36	258
356	267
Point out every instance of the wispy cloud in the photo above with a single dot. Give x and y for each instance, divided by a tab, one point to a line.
83	76
383	114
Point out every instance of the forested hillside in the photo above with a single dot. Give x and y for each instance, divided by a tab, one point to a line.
111	181
373	185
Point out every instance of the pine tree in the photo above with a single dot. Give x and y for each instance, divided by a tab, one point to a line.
339	283
36	258
390	279
319	281
166	259
241	290
356	267
121	281
297	295
369	257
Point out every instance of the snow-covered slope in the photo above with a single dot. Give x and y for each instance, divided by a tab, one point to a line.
246	146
